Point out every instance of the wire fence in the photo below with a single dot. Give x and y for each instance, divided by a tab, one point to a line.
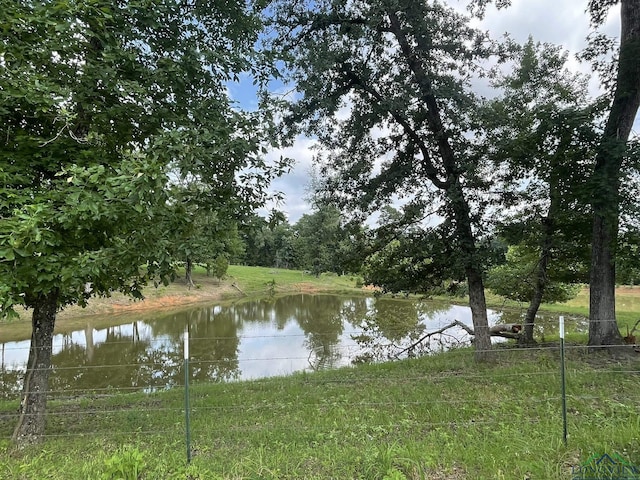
83	411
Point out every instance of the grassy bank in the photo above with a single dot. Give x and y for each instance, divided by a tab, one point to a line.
627	305
240	281
441	417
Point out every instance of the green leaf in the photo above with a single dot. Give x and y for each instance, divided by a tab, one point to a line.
7	255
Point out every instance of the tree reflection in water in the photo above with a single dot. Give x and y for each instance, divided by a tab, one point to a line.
390	325
231	342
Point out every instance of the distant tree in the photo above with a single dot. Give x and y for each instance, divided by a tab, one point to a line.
218	267
543	148
268	244
208	230
321	241
516	279
276	217
251	231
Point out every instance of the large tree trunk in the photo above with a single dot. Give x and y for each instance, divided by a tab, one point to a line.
31	422
473	270
478	305
603	329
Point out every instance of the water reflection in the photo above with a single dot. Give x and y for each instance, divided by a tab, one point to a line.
249	339
245	340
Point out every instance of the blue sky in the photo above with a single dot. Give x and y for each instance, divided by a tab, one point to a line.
563	22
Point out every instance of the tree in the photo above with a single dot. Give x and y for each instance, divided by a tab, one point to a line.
603	328
384	85
403	257
517	280
544	137
252	232
321	241
208	230
628	252
268	243
97	101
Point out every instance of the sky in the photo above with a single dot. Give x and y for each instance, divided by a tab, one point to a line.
561	22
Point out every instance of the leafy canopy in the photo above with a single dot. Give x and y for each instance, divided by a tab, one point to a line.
103	104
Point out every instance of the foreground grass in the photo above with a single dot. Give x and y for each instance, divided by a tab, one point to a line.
440	417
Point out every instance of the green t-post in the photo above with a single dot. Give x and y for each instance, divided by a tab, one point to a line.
564	383
186	391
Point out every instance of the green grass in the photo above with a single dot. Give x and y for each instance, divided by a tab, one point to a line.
261	280
627	305
440	417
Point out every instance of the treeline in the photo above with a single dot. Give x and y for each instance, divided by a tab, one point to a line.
324	241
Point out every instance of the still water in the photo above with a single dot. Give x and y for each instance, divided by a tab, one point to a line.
245	340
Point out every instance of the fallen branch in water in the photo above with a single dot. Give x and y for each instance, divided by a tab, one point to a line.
506	330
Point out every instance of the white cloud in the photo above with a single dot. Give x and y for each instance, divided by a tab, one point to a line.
559	22
295	184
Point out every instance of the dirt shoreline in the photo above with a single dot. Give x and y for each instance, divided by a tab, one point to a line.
158	299
177	295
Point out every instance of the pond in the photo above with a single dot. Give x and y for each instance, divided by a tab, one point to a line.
245	340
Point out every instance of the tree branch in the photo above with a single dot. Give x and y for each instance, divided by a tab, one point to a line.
508	330
431	171
424	84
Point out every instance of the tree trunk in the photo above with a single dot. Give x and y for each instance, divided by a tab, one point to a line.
478	305
546	244
31	422
603	329
452	185
541	281
189	270
473	270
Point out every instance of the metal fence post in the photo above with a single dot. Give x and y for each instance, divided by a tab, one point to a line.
186	392
564	384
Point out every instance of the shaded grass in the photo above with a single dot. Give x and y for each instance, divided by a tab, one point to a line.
627	305
439	417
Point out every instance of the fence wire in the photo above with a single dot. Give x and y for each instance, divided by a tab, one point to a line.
82	412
